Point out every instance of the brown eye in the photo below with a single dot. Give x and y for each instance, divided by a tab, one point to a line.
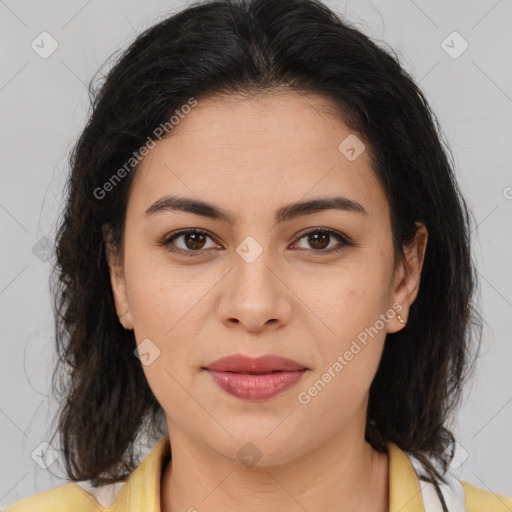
194	241
188	242
319	240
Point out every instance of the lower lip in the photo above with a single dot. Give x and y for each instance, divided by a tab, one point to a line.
256	387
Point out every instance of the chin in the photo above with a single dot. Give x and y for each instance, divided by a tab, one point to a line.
254	448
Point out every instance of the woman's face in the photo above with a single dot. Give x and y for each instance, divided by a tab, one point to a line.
255	284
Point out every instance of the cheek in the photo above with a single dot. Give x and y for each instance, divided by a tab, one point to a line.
337	388
165	306
161	296
354	306
350	299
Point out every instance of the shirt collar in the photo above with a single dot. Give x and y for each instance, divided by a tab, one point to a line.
404	488
142	489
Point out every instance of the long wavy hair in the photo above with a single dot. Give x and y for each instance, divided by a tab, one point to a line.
253	47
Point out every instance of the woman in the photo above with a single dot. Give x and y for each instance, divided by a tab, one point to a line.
264	247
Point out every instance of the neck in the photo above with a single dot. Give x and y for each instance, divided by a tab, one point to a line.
341	475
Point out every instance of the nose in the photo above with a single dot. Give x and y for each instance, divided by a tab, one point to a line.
255	295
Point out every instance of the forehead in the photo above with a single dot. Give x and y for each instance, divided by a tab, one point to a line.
258	150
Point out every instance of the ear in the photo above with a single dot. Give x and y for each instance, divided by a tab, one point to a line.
117	279
406	282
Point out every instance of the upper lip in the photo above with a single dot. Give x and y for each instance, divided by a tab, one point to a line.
244	363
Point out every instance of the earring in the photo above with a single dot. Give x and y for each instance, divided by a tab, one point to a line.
401	319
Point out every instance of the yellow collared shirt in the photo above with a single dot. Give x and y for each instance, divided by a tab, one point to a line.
140	492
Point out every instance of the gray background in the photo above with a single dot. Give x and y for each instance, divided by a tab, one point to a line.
44	105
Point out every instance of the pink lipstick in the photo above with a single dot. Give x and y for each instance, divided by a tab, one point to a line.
255	379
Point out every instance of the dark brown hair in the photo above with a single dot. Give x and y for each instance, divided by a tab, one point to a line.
254	47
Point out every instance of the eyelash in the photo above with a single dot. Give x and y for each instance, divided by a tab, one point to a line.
345	241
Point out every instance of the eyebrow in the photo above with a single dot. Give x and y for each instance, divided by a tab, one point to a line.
283	214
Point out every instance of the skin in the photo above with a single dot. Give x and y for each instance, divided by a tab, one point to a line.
251	156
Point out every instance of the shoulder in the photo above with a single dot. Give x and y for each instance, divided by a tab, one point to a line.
409	491
480	500
63	498
140	491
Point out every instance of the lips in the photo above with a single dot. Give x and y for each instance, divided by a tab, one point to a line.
255	379
241	363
